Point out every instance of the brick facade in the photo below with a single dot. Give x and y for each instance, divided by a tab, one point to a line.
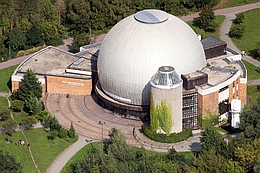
242	94
208	102
65	85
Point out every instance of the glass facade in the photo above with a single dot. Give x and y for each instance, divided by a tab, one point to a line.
190	111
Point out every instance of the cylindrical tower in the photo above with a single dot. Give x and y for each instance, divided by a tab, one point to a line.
166	101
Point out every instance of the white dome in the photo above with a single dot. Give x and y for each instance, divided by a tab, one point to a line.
137	46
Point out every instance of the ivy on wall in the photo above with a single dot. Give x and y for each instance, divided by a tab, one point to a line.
161	116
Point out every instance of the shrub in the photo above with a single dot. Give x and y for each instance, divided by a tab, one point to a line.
237	31
172	138
239	18
55	41
63	133
5	114
17	105
42	116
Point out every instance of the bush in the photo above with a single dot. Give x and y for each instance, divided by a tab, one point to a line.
239	18
42	116
237	31
172	138
63	133
55	42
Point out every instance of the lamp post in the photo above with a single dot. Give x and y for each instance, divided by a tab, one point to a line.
102	123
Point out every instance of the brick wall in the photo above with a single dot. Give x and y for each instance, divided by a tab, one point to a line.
208	102
72	86
242	94
16	84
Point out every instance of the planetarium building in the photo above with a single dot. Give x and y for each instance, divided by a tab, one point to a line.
147	59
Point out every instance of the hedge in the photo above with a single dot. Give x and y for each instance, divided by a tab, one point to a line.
172	138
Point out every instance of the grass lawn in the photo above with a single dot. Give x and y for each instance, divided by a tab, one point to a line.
253	93
3	103
251	36
5	74
21	153
44	150
233	3
252	71
18	116
218	20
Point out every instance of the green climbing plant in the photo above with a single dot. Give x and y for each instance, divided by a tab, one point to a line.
161	116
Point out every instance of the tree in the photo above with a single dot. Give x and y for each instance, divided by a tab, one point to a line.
5	114
17	39
72	132
9	164
32	105
80	40
234	167
210	161
248	154
237	31
206	18
212	140
63	133
55	124
28	122
52	135
9	126
61	8
250	120
33	36
29	87
17	105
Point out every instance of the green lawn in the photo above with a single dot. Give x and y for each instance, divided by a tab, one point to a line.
218	20
3	103
21	153
18	116
233	3
5	74
251	36
253	93
44	150
253	72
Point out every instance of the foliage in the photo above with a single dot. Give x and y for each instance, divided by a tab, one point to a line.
257	166
55	41
52	135
5	114
72	132
206	19
210	161
9	126
236	31
161	117
54	124
17	39
28	122
233	167
117	158
63	133
211	139
33	37
172	138
239	18
9	164
257	50
80	40
30	87
41	116
32	105
250	120
17	105
248	154
208	119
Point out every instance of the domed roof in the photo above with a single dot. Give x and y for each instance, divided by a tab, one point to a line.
137	46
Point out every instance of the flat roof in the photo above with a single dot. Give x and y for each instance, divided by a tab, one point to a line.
54	61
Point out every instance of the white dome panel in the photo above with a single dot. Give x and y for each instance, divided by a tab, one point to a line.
133	51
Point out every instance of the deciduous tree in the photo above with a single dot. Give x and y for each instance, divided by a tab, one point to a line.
8	163
206	18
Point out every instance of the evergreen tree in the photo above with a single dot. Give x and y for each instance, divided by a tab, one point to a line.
72	132
34	37
9	164
206	18
55	124
29	87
